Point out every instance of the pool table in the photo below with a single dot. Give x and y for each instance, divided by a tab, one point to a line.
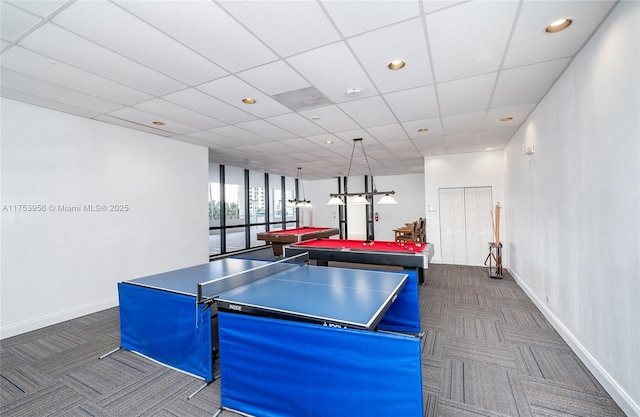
405	254
281	237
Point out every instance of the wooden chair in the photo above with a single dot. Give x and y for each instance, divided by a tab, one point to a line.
408	235
422	230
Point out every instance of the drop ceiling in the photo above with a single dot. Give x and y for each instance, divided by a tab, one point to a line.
190	64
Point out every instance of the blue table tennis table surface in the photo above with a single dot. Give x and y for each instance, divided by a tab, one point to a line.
337	297
186	280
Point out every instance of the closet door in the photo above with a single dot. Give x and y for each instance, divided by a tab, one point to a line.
452	226
465	224
478	205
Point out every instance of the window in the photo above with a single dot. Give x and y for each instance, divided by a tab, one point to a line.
238	205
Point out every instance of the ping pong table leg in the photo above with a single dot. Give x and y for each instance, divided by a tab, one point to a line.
109	353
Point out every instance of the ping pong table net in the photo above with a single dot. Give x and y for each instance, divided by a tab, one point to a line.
208	291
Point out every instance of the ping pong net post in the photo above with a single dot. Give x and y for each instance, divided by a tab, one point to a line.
209	290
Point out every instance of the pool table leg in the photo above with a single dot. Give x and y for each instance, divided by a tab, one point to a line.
420	274
277	248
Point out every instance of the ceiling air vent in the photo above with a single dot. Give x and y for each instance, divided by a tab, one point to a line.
303	99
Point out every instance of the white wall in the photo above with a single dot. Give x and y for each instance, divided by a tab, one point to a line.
477	169
60	265
409	194
572	216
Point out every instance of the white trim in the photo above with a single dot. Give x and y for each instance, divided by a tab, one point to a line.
58	317
617	393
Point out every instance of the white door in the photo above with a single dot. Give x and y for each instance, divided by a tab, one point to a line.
465	224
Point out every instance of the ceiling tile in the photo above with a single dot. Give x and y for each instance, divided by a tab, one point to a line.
460	123
388	133
434	125
353	17
531	44
274	78
431	146
519	113
414	104
372	111
331	118
466	141
112	27
38	66
337	144
194	26
271	22
266	129
203	103
241	135
15	22
303	144
64	96
216	139
349	135
71	49
40	8
297	124
270	148
333	70
132	125
144	118
171	111
496	138
430	6
401	146
404	41
477	42
45	102
233	90
466	95
527	84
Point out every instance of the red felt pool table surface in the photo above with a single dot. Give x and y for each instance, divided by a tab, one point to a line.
374	245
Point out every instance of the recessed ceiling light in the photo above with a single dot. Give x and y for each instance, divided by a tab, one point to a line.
328	142
506	119
158	123
315	118
396	64
558	25
248	100
423	129
488	149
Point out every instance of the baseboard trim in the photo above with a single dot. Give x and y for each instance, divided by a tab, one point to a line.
55	318
617	393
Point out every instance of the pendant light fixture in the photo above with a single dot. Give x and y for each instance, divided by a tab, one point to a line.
361	198
304	203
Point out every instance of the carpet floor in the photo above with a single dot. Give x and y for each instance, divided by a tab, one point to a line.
488	352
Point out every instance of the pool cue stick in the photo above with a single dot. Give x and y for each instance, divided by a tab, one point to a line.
493	225
497	224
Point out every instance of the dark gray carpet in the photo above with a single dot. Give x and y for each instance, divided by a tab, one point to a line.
488	352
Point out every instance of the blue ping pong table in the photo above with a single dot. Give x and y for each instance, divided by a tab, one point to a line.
310	341
160	317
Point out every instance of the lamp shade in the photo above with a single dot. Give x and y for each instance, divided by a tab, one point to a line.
335	201
360	200
387	199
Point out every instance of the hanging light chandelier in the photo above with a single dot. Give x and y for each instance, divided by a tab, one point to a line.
304	203
361	198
